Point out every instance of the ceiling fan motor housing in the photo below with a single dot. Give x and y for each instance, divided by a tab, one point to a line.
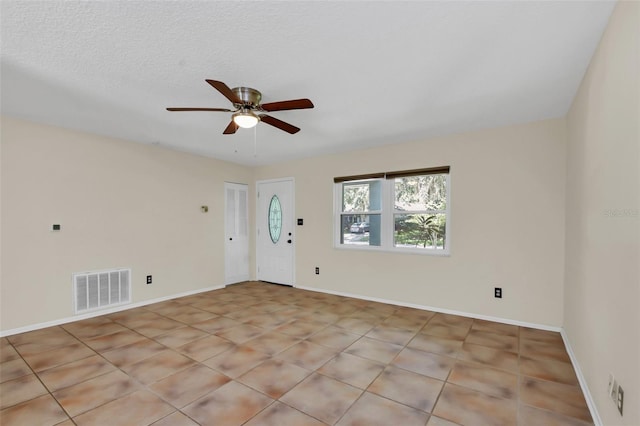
250	97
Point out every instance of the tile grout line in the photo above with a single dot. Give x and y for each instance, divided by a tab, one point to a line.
41	382
140	384
446	380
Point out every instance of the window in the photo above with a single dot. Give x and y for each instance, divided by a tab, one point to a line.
399	211
275	219
361	212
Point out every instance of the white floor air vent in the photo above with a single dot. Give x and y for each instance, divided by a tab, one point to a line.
96	290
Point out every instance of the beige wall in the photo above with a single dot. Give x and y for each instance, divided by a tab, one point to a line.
120	204
602	295
507	224
123	204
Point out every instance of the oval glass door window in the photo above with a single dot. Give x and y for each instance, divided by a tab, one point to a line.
275	219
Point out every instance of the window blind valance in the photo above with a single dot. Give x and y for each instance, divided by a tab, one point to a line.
396	174
358	177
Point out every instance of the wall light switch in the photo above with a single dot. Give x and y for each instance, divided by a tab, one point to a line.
56	227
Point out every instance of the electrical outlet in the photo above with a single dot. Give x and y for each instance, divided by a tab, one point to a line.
615	392
149	279
620	401
317	271
497	292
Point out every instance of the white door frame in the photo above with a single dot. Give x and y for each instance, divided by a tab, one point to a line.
293	220
228	250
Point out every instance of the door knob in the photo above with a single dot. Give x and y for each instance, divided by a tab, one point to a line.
289	241
230	239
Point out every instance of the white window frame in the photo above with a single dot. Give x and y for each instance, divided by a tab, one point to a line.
339	213
387	219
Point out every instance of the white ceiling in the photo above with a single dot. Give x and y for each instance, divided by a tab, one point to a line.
377	72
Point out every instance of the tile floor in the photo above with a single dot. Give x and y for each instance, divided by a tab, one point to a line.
262	354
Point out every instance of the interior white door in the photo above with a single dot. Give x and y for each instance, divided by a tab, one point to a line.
275	238
236	253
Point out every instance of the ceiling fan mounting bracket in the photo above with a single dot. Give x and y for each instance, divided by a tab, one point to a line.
250	97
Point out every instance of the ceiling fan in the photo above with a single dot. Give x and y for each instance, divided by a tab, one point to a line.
248	110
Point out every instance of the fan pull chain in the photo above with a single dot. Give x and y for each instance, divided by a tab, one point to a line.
255	141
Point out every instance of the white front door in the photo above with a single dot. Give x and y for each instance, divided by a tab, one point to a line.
236	235
275	231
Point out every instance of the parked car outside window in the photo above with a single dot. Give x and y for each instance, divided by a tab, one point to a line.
359	227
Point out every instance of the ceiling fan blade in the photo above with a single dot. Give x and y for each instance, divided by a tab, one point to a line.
224	89
231	128
199	109
279	124
285	105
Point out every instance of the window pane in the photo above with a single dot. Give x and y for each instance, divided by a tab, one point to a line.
274	219
362	196
420	231
361	230
428	192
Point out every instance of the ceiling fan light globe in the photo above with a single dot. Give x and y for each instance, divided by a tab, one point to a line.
246	120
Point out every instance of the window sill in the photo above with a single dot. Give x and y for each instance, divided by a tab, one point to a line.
421	252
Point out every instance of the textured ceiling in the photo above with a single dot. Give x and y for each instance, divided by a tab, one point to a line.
377	72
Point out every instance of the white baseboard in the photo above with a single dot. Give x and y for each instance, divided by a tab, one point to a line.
435	309
94	314
597	421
